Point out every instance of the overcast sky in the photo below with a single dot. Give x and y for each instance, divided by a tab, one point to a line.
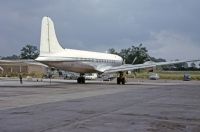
169	29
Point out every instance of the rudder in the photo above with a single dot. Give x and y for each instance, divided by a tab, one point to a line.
48	40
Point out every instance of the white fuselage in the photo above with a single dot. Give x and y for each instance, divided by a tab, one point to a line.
53	55
80	61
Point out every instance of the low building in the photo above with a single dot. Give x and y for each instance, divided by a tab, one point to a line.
22	66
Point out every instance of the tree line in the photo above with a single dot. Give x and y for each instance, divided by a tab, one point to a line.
27	52
132	55
135	55
139	54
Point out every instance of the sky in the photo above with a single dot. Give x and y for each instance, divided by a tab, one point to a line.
170	29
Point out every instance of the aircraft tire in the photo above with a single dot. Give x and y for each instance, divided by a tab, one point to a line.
81	80
123	80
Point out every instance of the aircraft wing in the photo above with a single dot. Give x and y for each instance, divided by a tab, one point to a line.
130	67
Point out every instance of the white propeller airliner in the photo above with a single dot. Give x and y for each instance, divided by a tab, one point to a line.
53	55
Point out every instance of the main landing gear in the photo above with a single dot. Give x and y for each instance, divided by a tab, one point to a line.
81	79
121	79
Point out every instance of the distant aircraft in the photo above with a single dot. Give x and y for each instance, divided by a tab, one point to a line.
53	55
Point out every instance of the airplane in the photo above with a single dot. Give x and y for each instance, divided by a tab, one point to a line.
79	61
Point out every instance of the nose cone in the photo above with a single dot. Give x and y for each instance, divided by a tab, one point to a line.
119	58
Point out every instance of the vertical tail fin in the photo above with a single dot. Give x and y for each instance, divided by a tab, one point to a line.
48	40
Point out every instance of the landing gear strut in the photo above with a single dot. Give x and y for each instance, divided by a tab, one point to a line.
121	79
81	79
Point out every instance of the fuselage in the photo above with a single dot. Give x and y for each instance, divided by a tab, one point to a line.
54	55
80	61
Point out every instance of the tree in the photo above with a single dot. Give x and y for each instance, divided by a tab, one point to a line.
138	52
185	65
112	51
179	66
13	57
193	65
157	60
29	52
125	53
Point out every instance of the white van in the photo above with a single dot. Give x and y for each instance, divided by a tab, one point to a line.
91	76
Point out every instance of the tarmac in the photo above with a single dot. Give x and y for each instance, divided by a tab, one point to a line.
63	105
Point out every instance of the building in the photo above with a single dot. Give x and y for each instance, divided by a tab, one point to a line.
22	66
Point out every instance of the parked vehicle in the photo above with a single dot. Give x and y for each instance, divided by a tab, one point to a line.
154	76
108	77
186	77
91	76
71	76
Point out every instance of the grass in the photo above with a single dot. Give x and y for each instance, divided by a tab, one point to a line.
171	75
